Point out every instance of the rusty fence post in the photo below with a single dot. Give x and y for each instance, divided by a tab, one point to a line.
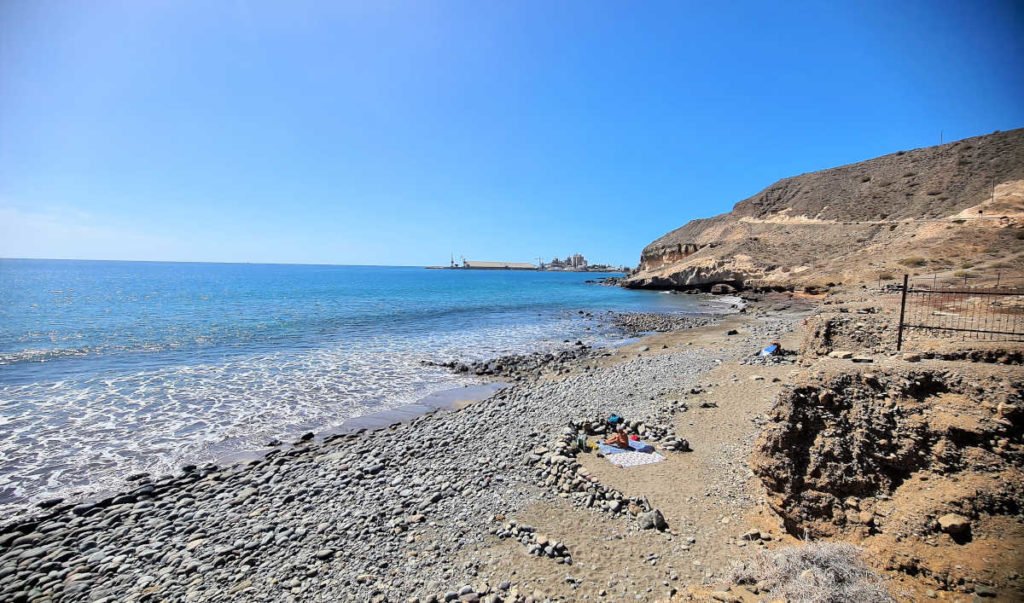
903	309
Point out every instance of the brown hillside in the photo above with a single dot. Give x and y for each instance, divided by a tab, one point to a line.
953	209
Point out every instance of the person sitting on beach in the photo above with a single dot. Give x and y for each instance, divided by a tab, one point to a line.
619	439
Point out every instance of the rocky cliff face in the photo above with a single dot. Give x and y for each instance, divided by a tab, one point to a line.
930	209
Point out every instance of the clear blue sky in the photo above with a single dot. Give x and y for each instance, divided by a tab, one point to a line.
396	133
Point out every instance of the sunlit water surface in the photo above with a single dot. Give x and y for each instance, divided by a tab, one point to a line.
111	368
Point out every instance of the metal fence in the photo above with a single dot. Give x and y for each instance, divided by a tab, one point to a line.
978	313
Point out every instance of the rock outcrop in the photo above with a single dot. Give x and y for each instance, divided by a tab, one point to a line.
930	209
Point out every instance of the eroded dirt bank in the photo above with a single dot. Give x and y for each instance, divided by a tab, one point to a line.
918	462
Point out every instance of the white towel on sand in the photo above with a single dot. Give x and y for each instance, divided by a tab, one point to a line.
633	459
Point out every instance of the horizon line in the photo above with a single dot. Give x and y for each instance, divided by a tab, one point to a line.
2	259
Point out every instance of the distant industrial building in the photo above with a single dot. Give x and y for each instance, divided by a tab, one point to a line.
574	262
475	265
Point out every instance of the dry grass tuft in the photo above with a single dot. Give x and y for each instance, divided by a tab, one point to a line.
814	573
914	262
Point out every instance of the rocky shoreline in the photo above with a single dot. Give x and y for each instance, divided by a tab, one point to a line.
374	515
639	323
516	367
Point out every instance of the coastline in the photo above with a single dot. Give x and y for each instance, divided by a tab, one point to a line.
616	327
455	398
88	402
389	484
631	327
468	499
493	501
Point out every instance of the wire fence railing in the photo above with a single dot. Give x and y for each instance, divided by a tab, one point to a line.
985	312
946	281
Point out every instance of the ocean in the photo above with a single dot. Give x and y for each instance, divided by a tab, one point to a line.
112	368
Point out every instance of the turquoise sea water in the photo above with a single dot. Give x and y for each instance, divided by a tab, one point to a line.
108	368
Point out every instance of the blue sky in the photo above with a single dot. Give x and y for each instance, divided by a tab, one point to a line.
396	133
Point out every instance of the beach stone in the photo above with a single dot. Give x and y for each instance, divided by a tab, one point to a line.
983	590
31	538
1008	411
243	495
33	553
83	508
652	520
144	490
954	524
124	499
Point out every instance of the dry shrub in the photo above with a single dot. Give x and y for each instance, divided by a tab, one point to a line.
823	572
913	262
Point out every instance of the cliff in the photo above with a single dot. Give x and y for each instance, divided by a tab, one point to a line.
943	209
